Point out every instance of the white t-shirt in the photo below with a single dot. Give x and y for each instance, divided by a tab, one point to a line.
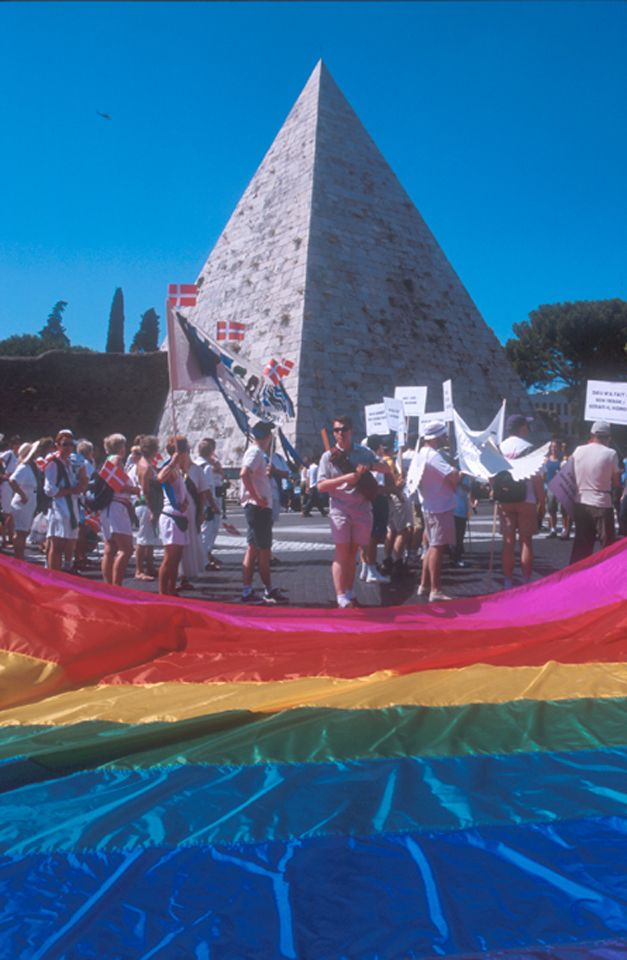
514	447
24	476
594	465
257	462
438	496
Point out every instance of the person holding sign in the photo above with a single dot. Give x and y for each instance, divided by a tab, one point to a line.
596	473
344	473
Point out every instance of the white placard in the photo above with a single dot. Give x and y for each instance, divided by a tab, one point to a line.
376	418
564	486
395	413
606	400
414	400
447	394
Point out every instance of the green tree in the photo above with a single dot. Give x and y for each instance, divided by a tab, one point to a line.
21	345
146	340
115	333
569	343
53	335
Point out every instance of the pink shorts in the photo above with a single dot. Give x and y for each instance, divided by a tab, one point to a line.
351	528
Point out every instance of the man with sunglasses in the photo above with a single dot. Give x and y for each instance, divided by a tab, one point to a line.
350	511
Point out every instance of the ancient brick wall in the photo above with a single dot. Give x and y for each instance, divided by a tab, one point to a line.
94	394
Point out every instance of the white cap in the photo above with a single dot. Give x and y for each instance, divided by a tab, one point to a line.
434	429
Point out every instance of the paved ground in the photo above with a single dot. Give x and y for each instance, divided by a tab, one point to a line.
304	549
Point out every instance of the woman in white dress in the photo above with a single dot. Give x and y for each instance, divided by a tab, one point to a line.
24	501
63	482
115	519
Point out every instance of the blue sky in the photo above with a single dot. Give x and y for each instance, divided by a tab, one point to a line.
505	122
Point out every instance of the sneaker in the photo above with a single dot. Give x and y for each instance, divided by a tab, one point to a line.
422	591
386	566
438	595
252	599
551	534
354	602
373	576
564	536
274	597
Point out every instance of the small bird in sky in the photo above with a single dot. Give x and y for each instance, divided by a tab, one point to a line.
105	116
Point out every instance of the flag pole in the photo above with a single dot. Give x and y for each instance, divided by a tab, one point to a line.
171	361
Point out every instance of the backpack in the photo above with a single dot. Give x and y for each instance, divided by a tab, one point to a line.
507	490
98	495
42	501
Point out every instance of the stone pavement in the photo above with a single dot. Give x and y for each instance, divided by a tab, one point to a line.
304	549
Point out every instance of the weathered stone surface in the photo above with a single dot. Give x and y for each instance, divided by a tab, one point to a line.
329	263
94	394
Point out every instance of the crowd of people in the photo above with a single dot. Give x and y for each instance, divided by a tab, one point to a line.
413	504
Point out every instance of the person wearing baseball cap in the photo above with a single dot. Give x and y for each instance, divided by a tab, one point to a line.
437	484
596	472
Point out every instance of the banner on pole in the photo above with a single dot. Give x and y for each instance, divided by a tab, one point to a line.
606	400
414	400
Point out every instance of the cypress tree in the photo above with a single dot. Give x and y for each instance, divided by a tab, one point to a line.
146	339
115	334
53	334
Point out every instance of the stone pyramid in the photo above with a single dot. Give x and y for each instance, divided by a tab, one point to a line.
328	263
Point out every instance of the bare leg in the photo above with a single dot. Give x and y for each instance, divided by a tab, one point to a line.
526	557
56	549
434	563
108	557
263	558
169	568
248	565
123	545
19	544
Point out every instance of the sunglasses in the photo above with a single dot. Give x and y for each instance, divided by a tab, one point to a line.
341	429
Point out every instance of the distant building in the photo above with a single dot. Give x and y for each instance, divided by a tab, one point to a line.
555	405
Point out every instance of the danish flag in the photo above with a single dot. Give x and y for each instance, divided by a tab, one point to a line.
113	474
182	294
230	330
275	370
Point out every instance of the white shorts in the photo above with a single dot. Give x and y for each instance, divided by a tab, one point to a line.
115	519
23	516
147	535
60	526
440	528
170	534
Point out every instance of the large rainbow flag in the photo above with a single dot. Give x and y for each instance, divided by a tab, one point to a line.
183	780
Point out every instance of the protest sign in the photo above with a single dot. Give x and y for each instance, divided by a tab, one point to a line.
414	399
376	418
606	400
447	393
564	486
395	413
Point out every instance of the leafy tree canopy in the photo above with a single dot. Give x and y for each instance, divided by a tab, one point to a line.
146	340
52	336
569	343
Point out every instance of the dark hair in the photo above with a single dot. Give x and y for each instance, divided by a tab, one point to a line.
206	446
344	421
149	445
175	443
